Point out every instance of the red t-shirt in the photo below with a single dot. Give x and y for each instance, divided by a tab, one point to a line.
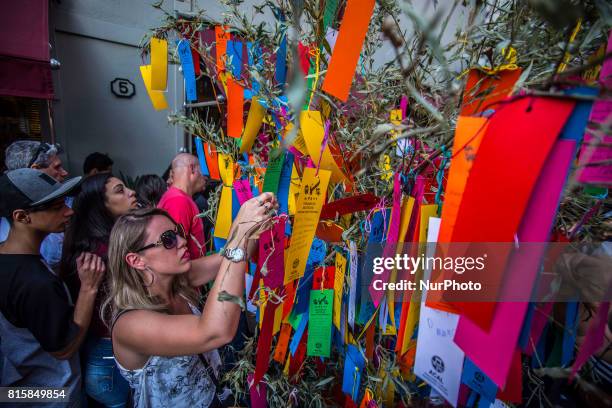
184	211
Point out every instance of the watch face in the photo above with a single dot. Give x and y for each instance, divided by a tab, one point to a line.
237	254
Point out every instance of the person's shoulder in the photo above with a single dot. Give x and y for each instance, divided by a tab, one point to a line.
175	200
24	272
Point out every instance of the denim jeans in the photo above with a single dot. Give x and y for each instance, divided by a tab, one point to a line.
103	381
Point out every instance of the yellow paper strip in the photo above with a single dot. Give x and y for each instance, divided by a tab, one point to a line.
407	207
309	204
157	97
427	211
294	189
253	124
159	64
338	286
311	124
224	211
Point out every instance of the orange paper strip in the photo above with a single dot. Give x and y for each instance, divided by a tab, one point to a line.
212	161
221	38
235	106
348	46
280	352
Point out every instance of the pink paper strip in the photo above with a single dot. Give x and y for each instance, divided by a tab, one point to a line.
492	352
599	116
540	318
594	337
392	237
257	393
242	188
269	241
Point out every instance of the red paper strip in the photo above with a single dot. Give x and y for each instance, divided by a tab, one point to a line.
235	108
369	351
348	46
323	278
290	290
498	190
362	202
483	90
514	387
329	232
295	364
265	342
304	53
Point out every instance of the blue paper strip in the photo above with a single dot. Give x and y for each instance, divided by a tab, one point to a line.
219	242
354	364
526	330
576	124
478	381
295	342
302	296
255	62
201	156
234	54
281	62
539	355
284	184
184	51
317	253
569	334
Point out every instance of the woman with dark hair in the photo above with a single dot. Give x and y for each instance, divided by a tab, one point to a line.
102	199
149	189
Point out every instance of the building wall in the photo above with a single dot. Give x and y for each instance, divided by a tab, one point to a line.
97	41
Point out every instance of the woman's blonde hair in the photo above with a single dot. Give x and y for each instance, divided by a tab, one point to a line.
127	287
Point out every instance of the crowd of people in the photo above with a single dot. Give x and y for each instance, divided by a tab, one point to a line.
109	292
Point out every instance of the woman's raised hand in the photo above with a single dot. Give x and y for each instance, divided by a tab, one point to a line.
253	214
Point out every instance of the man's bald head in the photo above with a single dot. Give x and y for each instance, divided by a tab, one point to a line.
186	173
185	160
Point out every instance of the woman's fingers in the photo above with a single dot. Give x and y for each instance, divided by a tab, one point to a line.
79	260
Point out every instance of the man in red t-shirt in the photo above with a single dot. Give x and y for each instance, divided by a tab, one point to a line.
187	179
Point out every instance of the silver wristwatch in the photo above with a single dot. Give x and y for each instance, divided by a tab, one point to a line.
234	254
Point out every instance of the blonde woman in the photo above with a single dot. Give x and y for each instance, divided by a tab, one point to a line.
159	337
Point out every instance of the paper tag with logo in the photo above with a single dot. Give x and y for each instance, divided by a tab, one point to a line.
438	360
320	322
310	201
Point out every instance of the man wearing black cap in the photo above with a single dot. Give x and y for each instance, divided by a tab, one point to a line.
41	330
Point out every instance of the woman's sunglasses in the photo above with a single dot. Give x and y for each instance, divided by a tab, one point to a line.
168	239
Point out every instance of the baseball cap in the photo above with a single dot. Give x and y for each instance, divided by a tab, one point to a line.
29	188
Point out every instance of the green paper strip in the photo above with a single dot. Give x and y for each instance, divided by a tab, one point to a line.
320	322
273	171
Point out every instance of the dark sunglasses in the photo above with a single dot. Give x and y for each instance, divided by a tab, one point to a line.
168	239
43	147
